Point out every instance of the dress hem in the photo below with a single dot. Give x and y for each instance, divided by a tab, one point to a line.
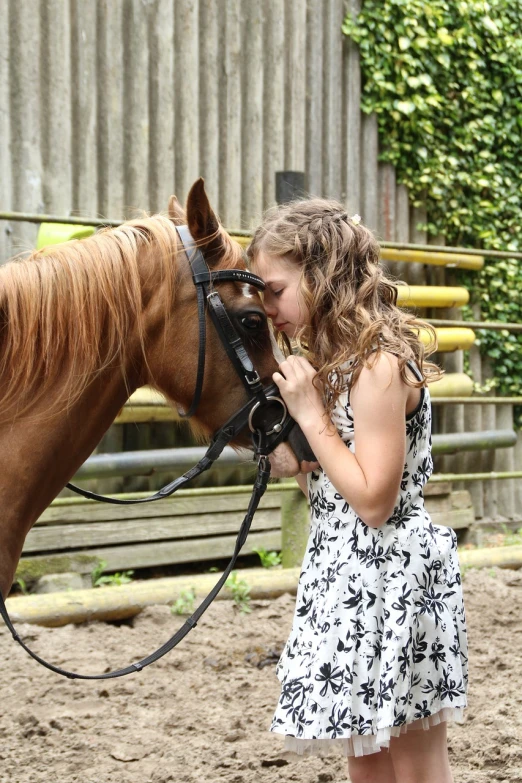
365	744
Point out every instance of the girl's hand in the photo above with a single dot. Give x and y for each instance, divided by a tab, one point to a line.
295	382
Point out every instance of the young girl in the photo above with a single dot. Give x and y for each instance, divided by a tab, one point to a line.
378	646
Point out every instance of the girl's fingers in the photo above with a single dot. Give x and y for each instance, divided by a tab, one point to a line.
308	467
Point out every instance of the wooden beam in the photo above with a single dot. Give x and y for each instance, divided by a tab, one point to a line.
119	602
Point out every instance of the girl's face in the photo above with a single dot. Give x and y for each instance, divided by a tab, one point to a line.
281	297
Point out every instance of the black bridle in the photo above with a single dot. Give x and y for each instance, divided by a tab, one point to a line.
264	441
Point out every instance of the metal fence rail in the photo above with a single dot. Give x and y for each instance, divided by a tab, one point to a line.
145	463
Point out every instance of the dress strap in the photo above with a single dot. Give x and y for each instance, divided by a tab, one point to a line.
415	370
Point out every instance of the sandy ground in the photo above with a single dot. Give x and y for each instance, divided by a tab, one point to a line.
202	713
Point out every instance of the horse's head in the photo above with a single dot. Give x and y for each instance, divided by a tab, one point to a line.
173	352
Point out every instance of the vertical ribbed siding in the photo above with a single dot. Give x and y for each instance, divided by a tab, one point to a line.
84	94
209	80
333	100
186	74
55	96
369	171
109	107
136	65
111	103
24	115
161	104
295	85
230	89
273	99
6	188
352	119
314	98
252	124
112	106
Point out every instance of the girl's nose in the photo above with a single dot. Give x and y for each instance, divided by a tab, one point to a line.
270	310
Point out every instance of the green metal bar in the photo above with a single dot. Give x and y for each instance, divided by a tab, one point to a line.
476	400
440	477
28	217
239	489
151	461
495	325
289	486
454	442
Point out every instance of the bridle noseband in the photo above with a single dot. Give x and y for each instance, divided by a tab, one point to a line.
263	441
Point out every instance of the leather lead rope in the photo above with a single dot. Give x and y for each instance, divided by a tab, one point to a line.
263	474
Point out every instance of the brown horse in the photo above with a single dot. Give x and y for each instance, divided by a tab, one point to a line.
84	324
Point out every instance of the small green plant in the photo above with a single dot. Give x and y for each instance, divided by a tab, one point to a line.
512	538
185	603
22	585
97	572
119	578
268	559
240	592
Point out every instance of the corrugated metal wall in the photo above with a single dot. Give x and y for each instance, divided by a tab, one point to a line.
109	106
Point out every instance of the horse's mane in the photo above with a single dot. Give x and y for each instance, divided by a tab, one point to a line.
74	305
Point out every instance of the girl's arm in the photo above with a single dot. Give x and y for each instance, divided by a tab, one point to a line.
369	480
301	480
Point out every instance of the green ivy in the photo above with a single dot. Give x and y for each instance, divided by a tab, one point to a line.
445	80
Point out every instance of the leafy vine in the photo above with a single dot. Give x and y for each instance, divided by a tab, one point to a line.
445	80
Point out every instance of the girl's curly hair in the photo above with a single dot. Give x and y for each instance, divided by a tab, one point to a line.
352	304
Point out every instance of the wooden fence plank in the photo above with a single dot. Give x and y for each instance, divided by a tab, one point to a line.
94	512
458	519
72	537
147	555
192	527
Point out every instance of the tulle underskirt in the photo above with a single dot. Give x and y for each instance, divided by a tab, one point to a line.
364	744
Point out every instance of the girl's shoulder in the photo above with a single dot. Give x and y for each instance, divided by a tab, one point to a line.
385	365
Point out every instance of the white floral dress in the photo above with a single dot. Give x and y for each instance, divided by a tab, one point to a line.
378	643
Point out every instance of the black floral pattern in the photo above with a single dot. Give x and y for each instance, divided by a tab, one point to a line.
379	634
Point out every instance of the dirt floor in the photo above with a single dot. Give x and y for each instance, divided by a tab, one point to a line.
201	714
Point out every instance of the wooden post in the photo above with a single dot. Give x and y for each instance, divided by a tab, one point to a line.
289	185
295	522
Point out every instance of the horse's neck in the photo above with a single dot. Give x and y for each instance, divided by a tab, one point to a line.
38	457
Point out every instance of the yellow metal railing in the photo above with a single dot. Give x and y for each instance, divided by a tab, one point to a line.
450	339
431	296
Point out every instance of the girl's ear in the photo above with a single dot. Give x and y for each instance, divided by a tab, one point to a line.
203	223
176	212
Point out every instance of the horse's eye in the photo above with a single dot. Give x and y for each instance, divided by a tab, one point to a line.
252	322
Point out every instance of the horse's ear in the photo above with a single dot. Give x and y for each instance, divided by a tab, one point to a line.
202	222
176	212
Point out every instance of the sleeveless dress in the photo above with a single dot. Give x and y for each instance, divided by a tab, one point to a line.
378	643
